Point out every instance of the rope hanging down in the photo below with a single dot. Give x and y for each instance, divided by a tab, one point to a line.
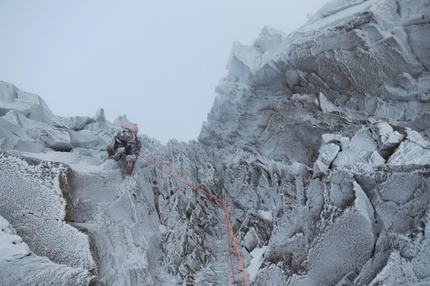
230	232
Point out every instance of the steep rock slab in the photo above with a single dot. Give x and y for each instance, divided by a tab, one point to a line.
118	215
344	245
283	127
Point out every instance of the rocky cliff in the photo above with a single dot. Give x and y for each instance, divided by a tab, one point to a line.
317	142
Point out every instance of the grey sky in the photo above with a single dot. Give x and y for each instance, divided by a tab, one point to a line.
156	61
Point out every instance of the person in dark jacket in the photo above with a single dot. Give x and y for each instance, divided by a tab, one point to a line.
125	145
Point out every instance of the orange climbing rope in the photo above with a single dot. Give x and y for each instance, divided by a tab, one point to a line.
227	216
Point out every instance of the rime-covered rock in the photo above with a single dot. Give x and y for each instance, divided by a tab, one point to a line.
30	105
73	123
32	200
11	245
317	145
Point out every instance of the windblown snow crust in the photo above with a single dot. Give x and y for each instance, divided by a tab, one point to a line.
317	142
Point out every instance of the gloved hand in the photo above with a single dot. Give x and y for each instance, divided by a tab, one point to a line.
129	159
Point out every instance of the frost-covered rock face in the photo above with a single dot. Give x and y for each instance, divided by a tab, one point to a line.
354	60
20	267
32	201
317	143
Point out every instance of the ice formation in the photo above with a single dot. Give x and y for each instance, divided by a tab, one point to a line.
317	142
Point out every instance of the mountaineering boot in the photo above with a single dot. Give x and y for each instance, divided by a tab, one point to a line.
130	164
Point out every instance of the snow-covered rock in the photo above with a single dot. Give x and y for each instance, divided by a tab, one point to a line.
30	105
73	123
316	145
32	200
11	245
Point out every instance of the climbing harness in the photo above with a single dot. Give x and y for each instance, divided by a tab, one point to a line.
230	232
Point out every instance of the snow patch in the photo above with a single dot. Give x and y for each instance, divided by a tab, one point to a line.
257	259
11	245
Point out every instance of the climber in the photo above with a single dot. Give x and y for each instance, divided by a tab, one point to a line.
125	144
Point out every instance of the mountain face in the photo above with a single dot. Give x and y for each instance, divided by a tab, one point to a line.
317	144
